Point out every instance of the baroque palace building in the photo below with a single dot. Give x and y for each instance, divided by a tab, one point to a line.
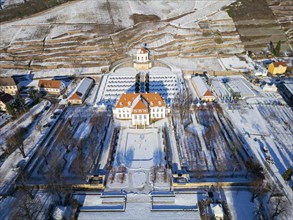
140	107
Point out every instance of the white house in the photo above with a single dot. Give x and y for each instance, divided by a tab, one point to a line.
140	108
55	87
270	88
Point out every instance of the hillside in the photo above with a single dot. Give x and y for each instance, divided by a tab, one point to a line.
97	33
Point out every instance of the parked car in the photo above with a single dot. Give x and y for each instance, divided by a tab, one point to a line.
47	125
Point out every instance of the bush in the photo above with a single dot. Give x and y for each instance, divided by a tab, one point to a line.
287	175
218	40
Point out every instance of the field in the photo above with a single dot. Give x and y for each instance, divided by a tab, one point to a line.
257	25
208	144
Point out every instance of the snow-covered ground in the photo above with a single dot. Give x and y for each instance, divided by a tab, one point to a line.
265	122
195	64
139	151
240	205
235	64
8	168
141	203
139	148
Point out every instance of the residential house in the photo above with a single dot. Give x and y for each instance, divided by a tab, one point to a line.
80	93
4	100
8	85
140	108
202	89
277	68
270	88
53	87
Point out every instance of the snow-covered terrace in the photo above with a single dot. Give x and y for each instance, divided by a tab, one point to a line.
114	84
163	81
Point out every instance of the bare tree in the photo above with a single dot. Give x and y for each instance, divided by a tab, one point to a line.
23	182
281	207
56	181
79	166
258	189
98	120
65	137
16	140
273	189
26	208
255	169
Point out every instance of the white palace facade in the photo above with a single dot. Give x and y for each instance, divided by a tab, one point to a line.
140	108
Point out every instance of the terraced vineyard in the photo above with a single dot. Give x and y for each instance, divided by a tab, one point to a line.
283	10
97	38
257	24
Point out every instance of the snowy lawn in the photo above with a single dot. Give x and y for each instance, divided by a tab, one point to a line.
240	205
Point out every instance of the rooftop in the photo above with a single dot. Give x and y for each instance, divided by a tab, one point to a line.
143	50
55	84
277	64
5	98
153	99
7	81
82	88
202	88
289	86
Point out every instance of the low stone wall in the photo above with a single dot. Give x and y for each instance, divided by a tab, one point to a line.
204	184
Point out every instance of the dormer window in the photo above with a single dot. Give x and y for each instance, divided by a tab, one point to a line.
160	103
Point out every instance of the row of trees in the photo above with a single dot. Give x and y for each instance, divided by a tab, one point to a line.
28	7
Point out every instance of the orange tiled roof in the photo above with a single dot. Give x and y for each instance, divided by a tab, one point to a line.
277	64
208	93
153	99
126	100
75	96
55	84
143	50
140	108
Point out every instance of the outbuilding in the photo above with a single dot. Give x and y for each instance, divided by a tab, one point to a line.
83	88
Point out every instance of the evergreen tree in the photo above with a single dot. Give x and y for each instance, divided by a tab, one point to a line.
287	175
277	49
10	109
